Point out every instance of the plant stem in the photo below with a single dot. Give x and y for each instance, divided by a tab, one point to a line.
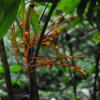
32	76
42	14
73	63
95	78
97	59
5	64
45	27
33	84
33	89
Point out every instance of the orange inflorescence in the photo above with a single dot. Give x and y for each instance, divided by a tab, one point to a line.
48	41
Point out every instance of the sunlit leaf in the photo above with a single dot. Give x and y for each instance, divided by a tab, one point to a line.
68	6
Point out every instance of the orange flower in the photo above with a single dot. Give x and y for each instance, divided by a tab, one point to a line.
26	34
22	42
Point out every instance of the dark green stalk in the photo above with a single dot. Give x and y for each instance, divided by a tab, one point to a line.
95	78
44	28
5	64
33	89
33	84
32	75
97	59
73	63
42	14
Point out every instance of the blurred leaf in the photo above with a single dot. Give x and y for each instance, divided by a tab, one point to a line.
35	23
2	94
2	81
19	82
91	69
13	69
43	70
90	14
75	22
96	37
68	6
81	7
8	11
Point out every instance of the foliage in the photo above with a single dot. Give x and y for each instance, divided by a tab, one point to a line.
91	8
5	7
68	47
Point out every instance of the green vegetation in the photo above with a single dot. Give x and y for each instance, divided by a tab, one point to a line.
49	50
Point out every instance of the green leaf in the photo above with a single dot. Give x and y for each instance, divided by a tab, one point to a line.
91	69
68	6
35	23
75	22
8	11
13	69
96	37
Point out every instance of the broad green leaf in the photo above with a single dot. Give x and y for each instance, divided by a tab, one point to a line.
68	6
8	11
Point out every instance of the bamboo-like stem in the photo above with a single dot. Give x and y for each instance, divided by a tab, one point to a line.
33	89
97	59
5	64
32	75
73	63
44	28
33	85
40	18
95	78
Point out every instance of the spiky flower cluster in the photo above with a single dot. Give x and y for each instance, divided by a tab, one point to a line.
48	42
